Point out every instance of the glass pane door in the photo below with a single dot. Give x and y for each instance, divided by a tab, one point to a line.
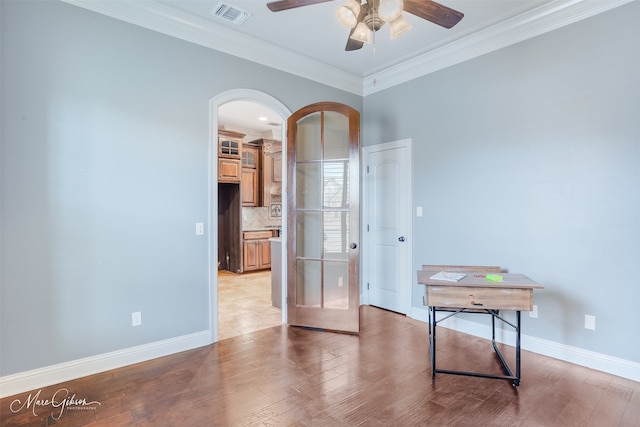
323	183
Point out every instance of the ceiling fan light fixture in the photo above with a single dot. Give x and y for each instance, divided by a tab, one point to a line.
347	14
362	33
390	10
398	27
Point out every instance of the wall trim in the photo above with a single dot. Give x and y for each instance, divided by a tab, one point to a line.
173	22
170	21
543	19
42	377
259	97
589	359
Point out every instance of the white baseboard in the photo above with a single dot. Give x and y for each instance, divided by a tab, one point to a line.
42	377
590	359
31	380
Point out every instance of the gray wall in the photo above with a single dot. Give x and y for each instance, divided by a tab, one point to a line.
529	158
104	173
105	130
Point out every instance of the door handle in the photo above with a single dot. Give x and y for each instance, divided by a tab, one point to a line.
401	239
353	246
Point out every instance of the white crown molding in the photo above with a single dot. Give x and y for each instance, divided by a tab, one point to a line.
163	19
590	359
538	21
159	17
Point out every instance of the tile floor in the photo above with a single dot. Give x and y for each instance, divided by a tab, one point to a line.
244	303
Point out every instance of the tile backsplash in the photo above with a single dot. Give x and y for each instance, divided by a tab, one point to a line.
255	218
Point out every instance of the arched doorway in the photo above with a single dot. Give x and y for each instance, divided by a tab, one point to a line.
214	104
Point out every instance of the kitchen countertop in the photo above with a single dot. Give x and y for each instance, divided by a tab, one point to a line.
266	228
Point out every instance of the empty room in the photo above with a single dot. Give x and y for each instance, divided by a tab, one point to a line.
472	165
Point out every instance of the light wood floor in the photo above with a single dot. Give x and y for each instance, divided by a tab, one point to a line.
287	376
244	303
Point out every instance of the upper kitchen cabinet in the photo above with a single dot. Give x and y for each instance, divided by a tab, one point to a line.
271	172
229	156
250	156
251	182
230	144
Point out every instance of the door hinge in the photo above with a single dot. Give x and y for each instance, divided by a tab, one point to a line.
367	285
367	227
367	169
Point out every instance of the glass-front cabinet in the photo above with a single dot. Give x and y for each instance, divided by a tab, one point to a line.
229	156
230	144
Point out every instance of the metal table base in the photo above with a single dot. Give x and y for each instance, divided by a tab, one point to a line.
495	314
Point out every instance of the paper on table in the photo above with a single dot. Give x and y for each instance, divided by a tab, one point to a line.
448	276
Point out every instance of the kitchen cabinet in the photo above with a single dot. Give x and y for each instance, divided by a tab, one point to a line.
271	172
230	144
250	188
229	170
251	181
230	201
272	179
256	250
250	156
229	156
229	227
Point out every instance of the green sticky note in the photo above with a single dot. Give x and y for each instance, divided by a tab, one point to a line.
494	278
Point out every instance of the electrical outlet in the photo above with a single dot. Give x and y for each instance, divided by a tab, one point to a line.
199	228
340	281
534	312
136	318
590	322
419	211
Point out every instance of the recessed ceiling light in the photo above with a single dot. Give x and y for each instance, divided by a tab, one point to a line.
262	119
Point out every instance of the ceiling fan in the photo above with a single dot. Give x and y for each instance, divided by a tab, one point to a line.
366	18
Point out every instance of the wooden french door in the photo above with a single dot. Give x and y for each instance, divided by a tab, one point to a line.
323	217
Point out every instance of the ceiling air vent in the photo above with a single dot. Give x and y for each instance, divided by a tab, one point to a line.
230	13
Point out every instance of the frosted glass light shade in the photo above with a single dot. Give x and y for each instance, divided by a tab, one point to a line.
390	10
347	14
362	33
398	27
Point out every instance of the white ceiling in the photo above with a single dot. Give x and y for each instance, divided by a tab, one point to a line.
309	42
313	31
251	118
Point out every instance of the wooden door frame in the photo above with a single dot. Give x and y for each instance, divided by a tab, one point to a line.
212	234
366	243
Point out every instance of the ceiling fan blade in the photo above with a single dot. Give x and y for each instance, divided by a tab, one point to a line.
434	12
353	44
277	6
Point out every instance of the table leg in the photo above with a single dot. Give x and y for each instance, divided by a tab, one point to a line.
432	340
517	381
493	329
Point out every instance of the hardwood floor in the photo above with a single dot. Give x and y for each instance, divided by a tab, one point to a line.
287	376
244	303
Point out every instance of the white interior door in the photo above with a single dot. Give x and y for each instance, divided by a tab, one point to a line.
387	182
